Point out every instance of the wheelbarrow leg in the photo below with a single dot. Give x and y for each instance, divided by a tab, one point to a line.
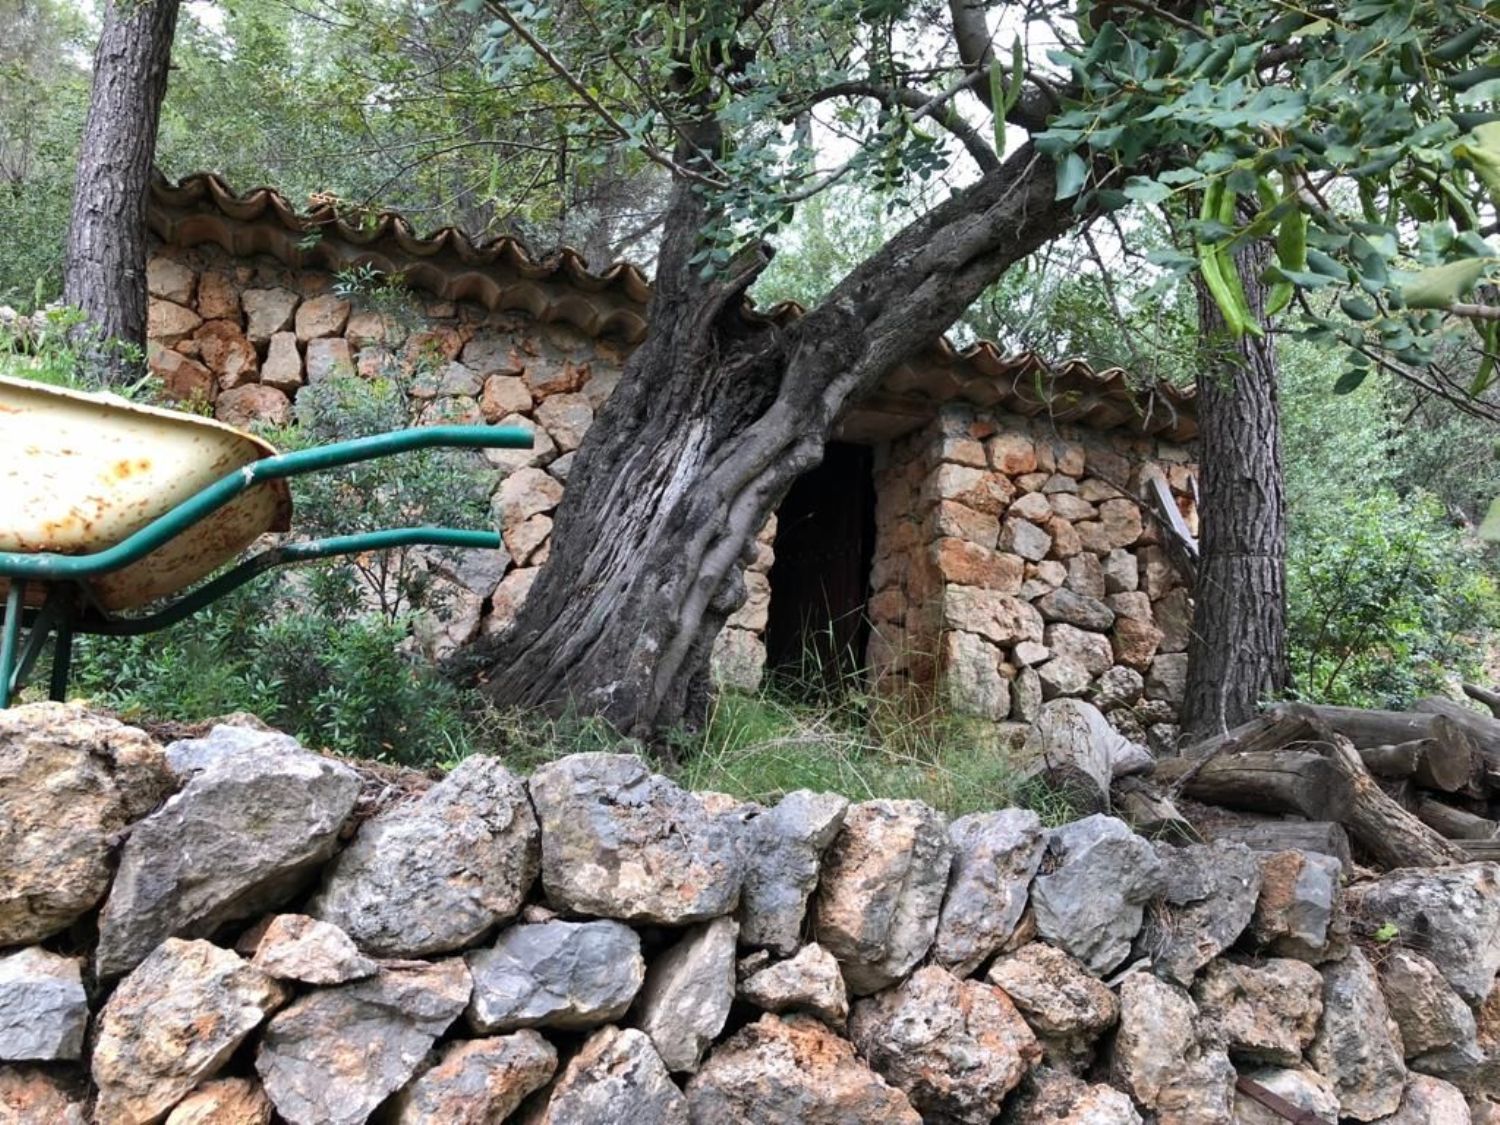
10	634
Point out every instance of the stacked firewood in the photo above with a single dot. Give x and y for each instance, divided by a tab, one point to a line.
1413	788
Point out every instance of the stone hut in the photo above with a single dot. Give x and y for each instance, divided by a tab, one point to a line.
978	526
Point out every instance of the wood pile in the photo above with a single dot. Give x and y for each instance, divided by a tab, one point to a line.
1398	789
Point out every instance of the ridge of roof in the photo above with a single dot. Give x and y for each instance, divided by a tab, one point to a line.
504	273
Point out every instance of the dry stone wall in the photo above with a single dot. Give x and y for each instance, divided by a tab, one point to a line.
595	945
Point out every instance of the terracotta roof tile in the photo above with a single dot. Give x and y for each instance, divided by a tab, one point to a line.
504	275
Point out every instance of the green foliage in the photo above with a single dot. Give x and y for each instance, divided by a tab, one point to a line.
49	350
1386	602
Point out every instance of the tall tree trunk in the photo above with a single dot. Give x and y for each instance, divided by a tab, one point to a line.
106	265
1237	656
714	417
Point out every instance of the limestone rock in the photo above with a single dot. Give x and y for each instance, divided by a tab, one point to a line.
478	1081
253	403
995	856
224	1101
243	835
792	1071
1430	1101
1358	1046
1134	642
435	874
1305	1089
1121	571
555	974
172	1023
617	1078
1000	618
43	1010
1263	1013
787	843
169	323
687	994
296	947
70	781
525	493
1087	649
283	366
228	354
1300	899
1052	1097
1174	617
31	1095
1024	538
567	418
1454	911
267	312
810	981
1062	677
1076	609
1167	679
971	676
182	379
1159	1059
881	891
1431	1016
1091	903
328	357
1119	687
1208	901
337	1053
218	299
324	315
621	842
170	280
1027	693
956	1047
1066	1007
502	395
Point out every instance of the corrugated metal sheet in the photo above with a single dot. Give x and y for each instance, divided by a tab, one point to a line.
504	275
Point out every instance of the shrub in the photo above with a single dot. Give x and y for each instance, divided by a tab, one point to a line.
1386	602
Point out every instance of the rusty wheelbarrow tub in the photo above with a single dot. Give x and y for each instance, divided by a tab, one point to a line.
106	505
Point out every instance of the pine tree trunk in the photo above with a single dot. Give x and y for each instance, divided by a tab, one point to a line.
713	419
106	264
1237	657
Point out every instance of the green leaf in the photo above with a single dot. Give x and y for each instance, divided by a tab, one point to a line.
1142	190
1072	172
1489	529
1357	308
1438	287
1350	380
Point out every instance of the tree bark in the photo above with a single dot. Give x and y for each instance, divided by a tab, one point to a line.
105	274
713	418
1237	658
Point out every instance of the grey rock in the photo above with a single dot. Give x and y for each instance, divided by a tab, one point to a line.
882	890
1431	1016
171	1023
617	1078
810	981
435	874
1305	1089
1054	1097
1060	677
1174	617
1026	695
1300	900
1073	608
1088	649
1085	576
621	842
246	832
786	843
1160	1059
1167	679
1055	994
1430	1101
1208	901
555	974
1121	571
792	1071
1091	904
477	1081
1358	1046
337	1053
296	947
995	856
1024	538
956	1047
1264	1013
188	756
1119	687
43	1009
32	1094
70	782
1453	912
688	992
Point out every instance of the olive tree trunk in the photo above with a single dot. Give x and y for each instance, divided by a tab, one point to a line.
105	274
1237	656
713	418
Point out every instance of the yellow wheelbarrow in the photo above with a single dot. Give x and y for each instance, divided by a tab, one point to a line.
109	506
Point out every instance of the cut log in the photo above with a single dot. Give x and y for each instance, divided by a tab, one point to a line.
1365	728
1322	836
1150	812
1480	850
1490	699
1461	763
1484	729
1273	730
1454	823
1303	782
1446	763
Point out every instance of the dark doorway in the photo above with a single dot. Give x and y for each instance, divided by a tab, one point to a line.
825	543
